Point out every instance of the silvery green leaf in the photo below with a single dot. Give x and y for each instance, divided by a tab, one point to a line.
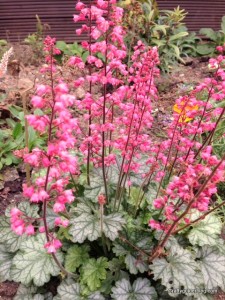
133	262
25	293
177	270
10	239
69	291
112	224
119	250
96	296
206	231
48	296
5	263
212	265
96	186
33	263
30	210
85	226
135	265
140	290
38	297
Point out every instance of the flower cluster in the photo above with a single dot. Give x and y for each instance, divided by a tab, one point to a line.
19	223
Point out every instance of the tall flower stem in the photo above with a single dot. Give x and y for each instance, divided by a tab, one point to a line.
90	111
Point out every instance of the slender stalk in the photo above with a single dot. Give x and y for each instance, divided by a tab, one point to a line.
101	212
133	246
210	136
202	116
24	103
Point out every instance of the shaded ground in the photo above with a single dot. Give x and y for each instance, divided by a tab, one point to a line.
20	79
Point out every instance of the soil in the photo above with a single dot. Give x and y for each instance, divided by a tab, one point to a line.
20	79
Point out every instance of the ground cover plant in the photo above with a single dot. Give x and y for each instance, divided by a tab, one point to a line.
112	212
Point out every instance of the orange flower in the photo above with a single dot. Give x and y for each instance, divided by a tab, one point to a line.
182	109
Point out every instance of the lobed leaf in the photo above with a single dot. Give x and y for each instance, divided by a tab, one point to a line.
5	263
140	290
178	270
33	263
75	257
93	272
212	265
206	231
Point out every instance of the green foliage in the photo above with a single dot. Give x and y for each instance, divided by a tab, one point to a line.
76	256
93	272
3	47
12	137
163	29
216	38
71	50
135	262
35	40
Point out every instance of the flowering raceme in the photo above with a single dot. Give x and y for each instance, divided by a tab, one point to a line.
56	159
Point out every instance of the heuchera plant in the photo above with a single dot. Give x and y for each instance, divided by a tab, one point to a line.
102	173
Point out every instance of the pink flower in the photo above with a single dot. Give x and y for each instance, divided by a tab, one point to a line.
154	224
62	222
38	102
59	207
15	212
52	246
30	230
28	190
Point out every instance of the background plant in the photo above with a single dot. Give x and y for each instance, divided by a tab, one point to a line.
35	40
163	29
214	38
